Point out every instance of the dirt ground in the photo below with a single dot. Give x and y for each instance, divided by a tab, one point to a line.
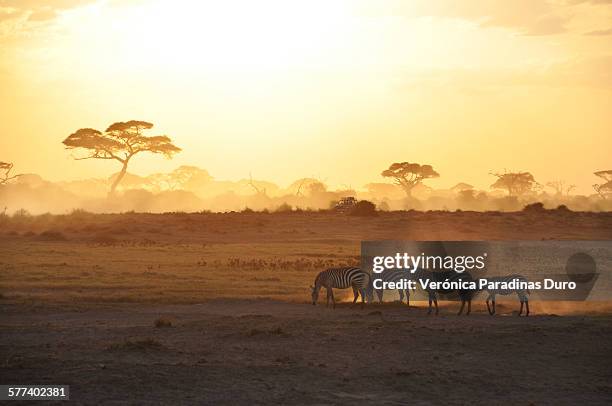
213	309
267	352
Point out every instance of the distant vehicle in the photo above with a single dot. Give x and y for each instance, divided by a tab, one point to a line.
345	204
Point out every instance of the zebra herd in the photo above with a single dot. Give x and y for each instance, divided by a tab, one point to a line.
362	284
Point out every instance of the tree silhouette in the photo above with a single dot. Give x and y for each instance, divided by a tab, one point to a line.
316	188
120	142
258	190
408	175
304	185
461	186
604	189
6	177
516	183
560	187
184	177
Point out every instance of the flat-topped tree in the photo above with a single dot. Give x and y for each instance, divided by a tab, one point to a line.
5	176
120	142
604	189
408	175
516	183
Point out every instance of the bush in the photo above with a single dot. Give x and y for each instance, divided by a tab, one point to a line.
364	208
384	206
284	208
563	209
21	213
80	213
537	207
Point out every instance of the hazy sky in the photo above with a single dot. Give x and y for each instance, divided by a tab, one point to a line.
332	89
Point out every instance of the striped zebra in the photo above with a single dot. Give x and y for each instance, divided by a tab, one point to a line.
341	278
422	275
492	290
394	275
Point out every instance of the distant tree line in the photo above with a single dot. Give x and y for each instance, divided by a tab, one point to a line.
409	175
121	141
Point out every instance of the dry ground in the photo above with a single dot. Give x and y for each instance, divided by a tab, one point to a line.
80	295
263	352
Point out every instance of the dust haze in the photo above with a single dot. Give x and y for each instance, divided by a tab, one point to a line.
192	189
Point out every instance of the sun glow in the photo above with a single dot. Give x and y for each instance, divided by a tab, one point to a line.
232	35
301	83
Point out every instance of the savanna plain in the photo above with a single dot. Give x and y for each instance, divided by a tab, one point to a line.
214	308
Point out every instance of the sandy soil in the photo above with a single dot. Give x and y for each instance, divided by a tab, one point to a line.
243	352
80	296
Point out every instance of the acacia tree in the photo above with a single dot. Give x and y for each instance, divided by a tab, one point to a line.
6	177
120	142
184	177
516	183
604	189
462	186
408	175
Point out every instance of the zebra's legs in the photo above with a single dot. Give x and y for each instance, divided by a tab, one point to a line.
433	298
462	306
330	294
469	307
363	293
356	296
379	293
408	297
524	300
488	308
401	295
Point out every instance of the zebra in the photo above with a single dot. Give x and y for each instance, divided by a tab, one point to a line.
422	275
394	275
492	290
342	278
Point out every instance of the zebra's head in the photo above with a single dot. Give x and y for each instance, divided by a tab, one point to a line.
314	294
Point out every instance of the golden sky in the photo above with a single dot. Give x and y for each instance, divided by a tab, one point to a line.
327	88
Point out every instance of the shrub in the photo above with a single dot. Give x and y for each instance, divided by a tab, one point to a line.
563	209
537	207
363	208
284	208
80	213
21	213
384	206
